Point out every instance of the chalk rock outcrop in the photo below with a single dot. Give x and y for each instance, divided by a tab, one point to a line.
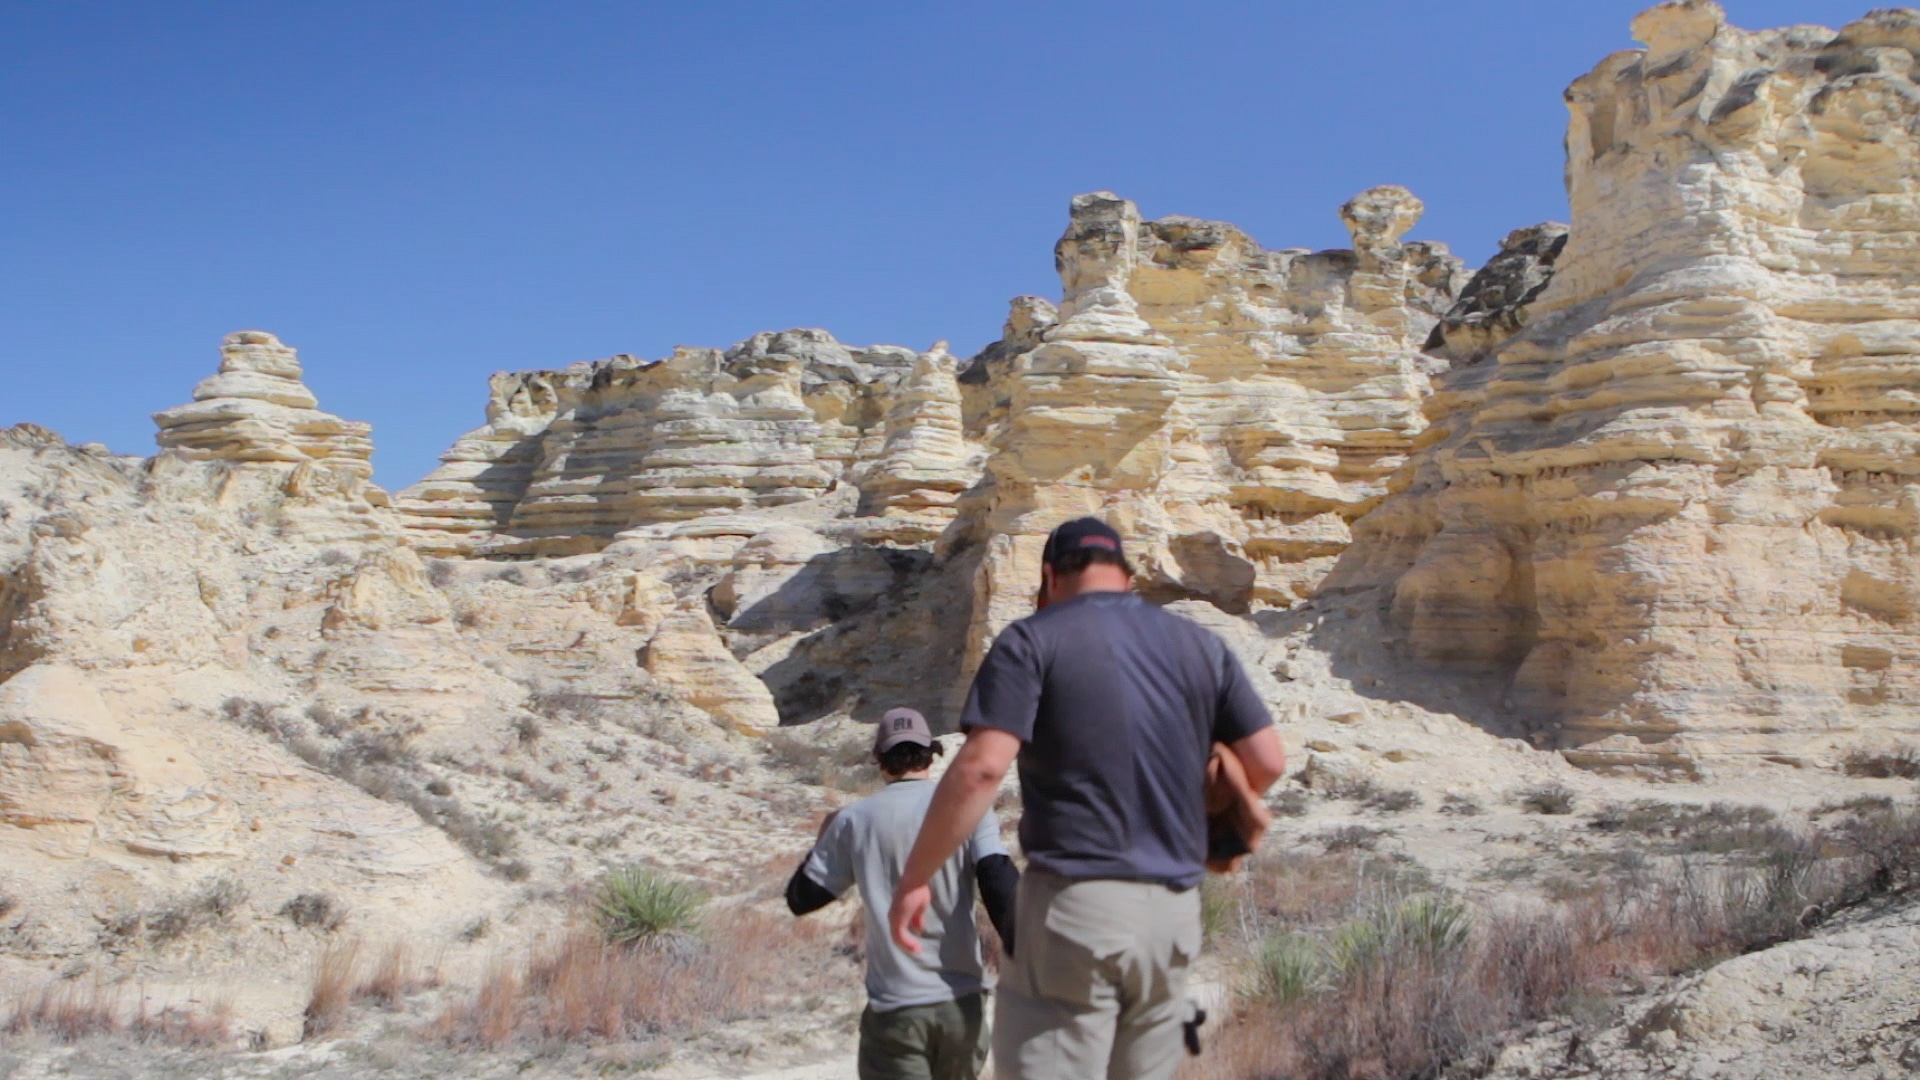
1232	408
257	409
926	461
1236	407
570	458
1674	515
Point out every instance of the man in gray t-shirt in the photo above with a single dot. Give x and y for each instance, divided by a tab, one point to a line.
925	1016
1111	707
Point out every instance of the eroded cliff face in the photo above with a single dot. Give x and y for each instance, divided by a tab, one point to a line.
1234	409
1231	409
570	458
1674	515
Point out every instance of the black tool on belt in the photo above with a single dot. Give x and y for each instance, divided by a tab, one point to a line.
1190	1030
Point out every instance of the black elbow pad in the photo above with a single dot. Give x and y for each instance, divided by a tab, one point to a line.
804	895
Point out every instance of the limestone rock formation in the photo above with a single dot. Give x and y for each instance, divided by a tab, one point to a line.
1673	515
1837	1005
687	654
200	688
257	409
1234	409
926	463
570	458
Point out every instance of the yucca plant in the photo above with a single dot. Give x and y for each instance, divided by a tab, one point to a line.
638	905
1432	923
1428	924
1290	967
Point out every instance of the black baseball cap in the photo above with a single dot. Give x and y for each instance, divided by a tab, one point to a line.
1081	534
900	726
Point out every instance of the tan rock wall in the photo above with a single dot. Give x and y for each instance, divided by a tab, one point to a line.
1231	409
570	458
1675	512
257	409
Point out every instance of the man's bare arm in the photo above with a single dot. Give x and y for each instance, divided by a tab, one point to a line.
1264	757
965	794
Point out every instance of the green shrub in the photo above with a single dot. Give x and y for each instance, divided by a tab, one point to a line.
1290	968
1427	925
638	904
1432	923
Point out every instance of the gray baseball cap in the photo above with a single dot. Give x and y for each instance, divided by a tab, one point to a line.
901	726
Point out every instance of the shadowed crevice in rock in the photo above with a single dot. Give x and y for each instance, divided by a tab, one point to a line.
904	645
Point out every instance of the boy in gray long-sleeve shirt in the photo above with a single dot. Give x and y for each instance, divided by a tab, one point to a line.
925	1017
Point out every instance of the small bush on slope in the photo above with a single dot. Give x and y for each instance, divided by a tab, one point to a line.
638	905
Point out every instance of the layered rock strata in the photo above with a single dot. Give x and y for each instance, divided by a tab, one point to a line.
1233	409
257	409
1674	515
1239	407
570	458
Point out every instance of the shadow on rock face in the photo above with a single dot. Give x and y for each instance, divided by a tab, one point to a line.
881	627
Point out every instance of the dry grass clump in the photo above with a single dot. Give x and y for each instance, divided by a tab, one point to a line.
395	974
214	902
1393	800
1721	828
1899	764
331	989
1290	890
843	763
70	1011
339	980
559	703
1351	838
1366	790
581	987
315	910
1291	802
1552	798
1409	983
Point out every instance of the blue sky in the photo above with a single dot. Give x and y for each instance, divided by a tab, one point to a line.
418	194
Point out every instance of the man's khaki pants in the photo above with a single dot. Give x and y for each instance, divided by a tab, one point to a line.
1097	986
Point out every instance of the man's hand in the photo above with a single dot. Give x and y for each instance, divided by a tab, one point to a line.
909	916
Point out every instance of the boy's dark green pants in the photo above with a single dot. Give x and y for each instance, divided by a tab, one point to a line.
946	1041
